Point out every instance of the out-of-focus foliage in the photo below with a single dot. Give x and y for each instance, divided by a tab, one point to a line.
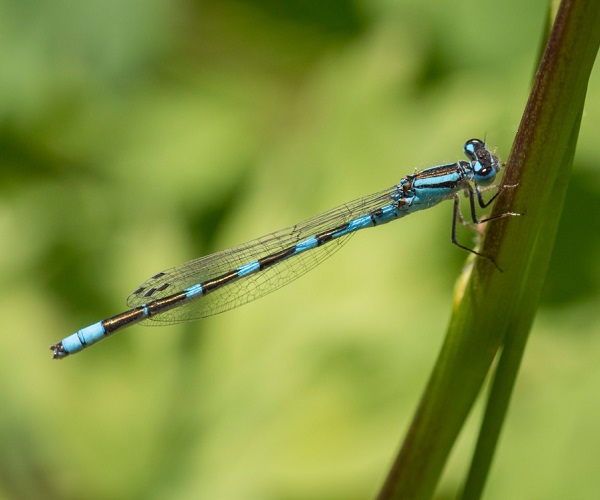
137	135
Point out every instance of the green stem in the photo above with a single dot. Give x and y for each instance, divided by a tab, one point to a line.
495	307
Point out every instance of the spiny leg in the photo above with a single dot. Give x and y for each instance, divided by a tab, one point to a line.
468	190
457	215
484	204
479	191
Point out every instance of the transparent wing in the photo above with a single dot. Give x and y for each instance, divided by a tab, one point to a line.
256	285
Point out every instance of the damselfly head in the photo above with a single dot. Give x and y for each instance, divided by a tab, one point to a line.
485	165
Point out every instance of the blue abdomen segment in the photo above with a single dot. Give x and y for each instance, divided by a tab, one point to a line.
387	214
94	333
307	244
84	338
194	291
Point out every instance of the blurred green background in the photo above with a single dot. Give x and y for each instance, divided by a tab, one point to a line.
136	135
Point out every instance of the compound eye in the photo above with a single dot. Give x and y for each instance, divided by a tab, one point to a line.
484	175
471	148
484	172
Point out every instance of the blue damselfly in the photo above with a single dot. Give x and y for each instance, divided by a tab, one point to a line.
229	278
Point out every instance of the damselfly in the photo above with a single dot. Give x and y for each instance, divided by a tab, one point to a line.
229	278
